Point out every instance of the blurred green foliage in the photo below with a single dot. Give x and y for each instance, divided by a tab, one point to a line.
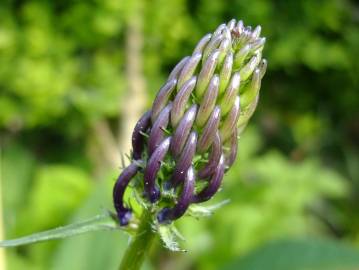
299	255
62	68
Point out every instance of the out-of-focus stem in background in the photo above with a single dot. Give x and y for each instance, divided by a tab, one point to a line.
2	251
133	103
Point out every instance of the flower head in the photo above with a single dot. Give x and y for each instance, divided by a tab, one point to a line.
183	146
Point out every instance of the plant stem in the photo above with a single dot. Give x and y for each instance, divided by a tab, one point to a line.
139	245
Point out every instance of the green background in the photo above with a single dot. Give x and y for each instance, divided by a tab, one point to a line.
65	80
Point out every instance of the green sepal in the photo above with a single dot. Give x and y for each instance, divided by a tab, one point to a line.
170	236
199	211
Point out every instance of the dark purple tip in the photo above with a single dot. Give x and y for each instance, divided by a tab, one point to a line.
185	159
209	131
123	213
213	158
182	131
137	137
213	184
152	168
184	200
157	132
124	217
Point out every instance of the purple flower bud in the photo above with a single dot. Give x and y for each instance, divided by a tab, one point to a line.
219	29
226	72
202	43
248	69
181	100
178	68
209	131
241	55
182	131
232	156
208	102
188	69
152	168
240	26
137	137
213	158
213	184
224	48
256	32
247	113
123	213
162	98
227	35
258	44
185	160
206	73
230	122
195	121
252	90
231	24
263	67
170	214
157	132
211	46
230	93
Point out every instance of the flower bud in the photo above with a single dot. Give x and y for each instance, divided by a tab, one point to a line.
181	100
194	123
169	214
162	98
206	73
226	72
185	160
137	136
209	131
182	130
202	44
230	94
213	185
123	213
208	101
157	130
188	69
152	168
213	158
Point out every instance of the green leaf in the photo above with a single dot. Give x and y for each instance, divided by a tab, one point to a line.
97	223
300	255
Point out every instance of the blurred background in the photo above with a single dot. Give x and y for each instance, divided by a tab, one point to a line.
76	75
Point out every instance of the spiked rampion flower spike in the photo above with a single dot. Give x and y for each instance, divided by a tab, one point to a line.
183	146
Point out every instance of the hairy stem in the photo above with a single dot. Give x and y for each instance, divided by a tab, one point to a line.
139	245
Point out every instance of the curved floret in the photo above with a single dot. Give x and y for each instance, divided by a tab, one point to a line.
185	144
